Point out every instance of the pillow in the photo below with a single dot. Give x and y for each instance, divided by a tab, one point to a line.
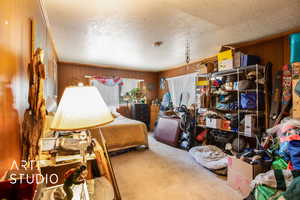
114	112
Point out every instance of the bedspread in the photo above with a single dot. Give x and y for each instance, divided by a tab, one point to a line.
123	133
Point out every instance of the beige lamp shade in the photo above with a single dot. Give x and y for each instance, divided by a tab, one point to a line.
80	108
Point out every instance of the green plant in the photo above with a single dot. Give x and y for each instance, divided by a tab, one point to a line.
135	95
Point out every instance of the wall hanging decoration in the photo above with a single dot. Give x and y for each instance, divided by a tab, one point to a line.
34	117
110	81
162	83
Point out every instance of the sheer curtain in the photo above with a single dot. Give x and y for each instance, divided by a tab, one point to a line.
110	94
185	86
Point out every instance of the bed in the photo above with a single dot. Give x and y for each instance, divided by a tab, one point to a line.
123	133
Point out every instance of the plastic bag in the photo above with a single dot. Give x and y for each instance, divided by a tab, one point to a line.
279	163
266	193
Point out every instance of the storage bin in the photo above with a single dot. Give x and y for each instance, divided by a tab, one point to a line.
213	123
225	60
295	47
249	60
248	100
206	68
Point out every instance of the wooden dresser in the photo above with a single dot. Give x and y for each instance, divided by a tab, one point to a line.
140	112
154	111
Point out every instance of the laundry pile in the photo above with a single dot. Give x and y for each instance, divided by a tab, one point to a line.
283	180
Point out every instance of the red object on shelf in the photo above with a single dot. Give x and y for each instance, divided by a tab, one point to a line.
21	190
226	125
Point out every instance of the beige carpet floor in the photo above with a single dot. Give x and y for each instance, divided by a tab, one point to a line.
164	172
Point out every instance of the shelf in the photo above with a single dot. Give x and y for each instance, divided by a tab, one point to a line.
231	71
252	111
260	112
261	90
202	126
248	136
238	73
229	111
236	70
203	75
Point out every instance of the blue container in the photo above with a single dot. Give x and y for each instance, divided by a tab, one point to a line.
248	100
295	47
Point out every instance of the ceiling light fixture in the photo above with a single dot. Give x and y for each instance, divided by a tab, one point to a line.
157	43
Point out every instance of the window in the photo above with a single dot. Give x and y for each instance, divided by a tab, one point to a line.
110	94
113	95
182	89
128	85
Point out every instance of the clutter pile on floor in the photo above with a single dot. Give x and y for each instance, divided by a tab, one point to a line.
282	181
279	157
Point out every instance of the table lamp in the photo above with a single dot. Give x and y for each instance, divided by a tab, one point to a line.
81	108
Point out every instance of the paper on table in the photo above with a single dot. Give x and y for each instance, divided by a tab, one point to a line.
48	144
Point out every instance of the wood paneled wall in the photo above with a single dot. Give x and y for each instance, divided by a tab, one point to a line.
71	74
14	58
276	51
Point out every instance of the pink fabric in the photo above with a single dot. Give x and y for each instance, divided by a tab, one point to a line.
286	128
110	81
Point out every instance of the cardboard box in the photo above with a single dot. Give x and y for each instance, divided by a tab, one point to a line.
206	68
237	59
225	60
240	174
250	125
213	123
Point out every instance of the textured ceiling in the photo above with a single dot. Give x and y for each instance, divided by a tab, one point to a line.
122	32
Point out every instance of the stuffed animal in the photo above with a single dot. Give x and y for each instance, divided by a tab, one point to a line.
74	176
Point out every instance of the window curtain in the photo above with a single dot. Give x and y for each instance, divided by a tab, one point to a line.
182	86
128	84
110	94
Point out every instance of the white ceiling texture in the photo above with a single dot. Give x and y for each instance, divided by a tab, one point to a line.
122	32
